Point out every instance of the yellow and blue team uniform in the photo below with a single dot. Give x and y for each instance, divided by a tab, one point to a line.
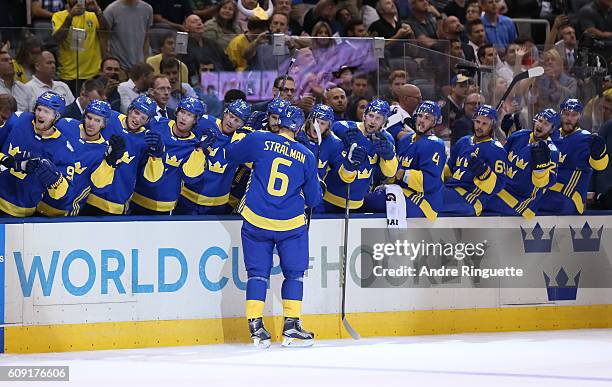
115	195
7	126
21	192
210	195
184	162
331	146
360	176
465	193
524	186
576	164
283	181
423	159
88	171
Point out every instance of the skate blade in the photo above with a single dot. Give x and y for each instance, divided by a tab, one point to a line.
261	344
290	342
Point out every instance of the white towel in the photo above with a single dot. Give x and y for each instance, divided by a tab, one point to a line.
396	206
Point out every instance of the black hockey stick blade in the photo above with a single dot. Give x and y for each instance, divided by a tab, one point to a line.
531	73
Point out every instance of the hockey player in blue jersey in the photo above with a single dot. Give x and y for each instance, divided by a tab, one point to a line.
211	194
91	150
331	146
477	167
366	148
38	157
580	152
284	180
144	152
185	160
532	167
422	157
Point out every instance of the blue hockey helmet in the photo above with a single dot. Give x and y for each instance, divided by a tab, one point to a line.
292	118
430	107
572	104
99	108
323	112
193	106
378	106
551	116
277	105
240	109
257	120
52	100
144	104
486	111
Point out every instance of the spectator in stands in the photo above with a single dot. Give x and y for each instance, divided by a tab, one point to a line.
594	113
42	10
90	89
344	78
110	75
423	22
137	84
453	109
160	91
500	30
180	87
251	8
171	13
43	80
397	78
487	55
201	49
76	66
336	98
389	26
223	27
602	180
129	22
472	12
356	108
8	106
464	125
284	7
205	9
476	38
457	9
451	29
360	87
8	83
167	51
324	10
595	19
562	37
355	29
322	32
29	51
409	98
244	47
555	86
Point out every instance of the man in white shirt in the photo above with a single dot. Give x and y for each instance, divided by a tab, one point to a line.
140	75
409	97
8	83
43	80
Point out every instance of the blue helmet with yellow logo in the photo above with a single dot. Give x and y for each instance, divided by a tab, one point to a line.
240	109
572	104
277	105
323	112
292	118
193	106
99	108
52	100
378	106
145	105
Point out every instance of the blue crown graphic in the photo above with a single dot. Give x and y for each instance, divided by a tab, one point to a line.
562	291
537	244
586	243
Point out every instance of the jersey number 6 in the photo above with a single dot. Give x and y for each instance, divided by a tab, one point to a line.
275	175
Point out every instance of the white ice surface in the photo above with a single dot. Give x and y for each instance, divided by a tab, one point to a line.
574	358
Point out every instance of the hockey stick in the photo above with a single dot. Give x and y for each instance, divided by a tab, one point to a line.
282	85
319	141
347	213
531	73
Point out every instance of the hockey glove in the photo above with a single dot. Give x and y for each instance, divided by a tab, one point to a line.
207	140
478	167
47	173
356	155
598	147
115	150
21	162
155	143
350	136
384	149
540	156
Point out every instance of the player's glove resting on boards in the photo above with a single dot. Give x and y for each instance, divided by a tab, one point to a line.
47	173
540	156
478	167
598	147
384	149
355	156
115	150
155	143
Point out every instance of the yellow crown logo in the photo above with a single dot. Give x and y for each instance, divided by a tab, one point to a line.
216	167
126	158
562	158
511	156
173	161
373	159
365	174
322	164
522	164
458	174
212	152
78	168
406	162
510	172
13	151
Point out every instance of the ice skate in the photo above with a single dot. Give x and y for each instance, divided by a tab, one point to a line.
259	334
294	335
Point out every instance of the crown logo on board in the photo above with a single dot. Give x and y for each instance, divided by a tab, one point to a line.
590	240
563	290
536	242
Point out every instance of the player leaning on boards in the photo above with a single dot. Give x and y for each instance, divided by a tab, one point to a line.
476	166
38	157
366	147
185	159
143	158
283	181
93	156
532	166
579	153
